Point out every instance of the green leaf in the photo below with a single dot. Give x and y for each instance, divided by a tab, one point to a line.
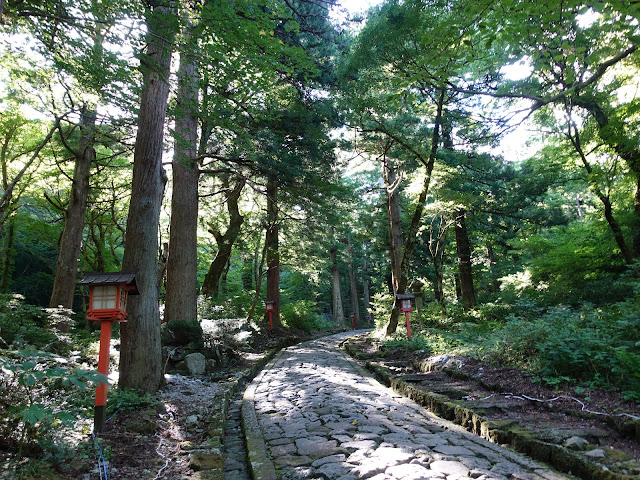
34	413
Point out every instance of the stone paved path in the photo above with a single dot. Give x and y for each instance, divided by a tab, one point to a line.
322	416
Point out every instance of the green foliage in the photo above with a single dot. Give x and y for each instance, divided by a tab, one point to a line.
303	315
35	253
128	399
381	305
33	386
416	344
22	325
574	263
595	347
182	332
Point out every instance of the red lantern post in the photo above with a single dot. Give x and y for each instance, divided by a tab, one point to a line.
269	307
353	321
107	304
406	306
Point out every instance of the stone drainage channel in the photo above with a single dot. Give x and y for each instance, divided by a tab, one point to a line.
313	412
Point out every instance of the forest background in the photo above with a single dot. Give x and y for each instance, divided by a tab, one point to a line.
234	152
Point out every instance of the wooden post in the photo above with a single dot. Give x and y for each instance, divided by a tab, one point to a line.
103	368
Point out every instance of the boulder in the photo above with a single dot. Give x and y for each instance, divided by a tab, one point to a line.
196	363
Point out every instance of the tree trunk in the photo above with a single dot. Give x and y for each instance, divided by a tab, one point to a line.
439	290
272	246
355	298
7	255
64	284
463	248
140	351
437	246
211	283
618	235
495	283
393	217
9	226
259	271
336	296
365	290
181	294
410	239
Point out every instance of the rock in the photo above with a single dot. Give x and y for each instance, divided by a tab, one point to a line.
192	419
449	467
595	453
175	354
196	363
576	443
143	426
206	461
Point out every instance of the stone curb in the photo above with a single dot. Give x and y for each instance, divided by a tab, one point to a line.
216	427
555	455
260	463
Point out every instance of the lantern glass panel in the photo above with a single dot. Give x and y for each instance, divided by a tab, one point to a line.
104	297
406	304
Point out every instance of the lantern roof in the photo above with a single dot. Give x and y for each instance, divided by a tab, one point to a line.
111	278
405	296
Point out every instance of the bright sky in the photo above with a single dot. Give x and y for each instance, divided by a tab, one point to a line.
358	5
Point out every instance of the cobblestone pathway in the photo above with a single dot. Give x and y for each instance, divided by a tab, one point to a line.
322	416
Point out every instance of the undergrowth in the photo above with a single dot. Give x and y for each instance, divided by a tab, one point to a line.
591	347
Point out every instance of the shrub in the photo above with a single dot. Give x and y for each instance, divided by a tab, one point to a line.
182	332
303	315
34	387
128	399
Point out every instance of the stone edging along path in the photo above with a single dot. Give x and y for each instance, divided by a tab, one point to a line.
558	456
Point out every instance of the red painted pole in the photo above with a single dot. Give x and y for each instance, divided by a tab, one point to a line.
270	320
406	314
103	367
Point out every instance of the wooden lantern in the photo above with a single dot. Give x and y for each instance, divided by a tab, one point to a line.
108	295
406	306
269	306
107	304
406	301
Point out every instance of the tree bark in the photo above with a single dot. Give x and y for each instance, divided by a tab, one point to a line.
366	298
355	298
410	239
259	271
64	284
393	217
336	296
495	283
140	351
181	293
273	253
463	248
211	283
7	255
